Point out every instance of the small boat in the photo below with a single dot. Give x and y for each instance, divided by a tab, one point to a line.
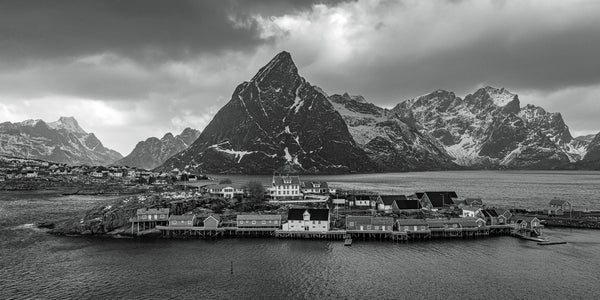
348	242
547	243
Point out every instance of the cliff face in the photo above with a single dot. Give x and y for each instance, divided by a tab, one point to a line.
63	141
393	142
489	128
276	122
153	152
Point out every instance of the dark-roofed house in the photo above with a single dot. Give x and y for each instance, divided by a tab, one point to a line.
369	223
182	220
412	225
559	207
386	202
286	188
406	206
504	216
314	187
437	200
491	217
258	221
307	219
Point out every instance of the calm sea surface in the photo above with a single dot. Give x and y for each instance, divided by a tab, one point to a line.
36	265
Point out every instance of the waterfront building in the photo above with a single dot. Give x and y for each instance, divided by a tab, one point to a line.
559	207
504	216
182	220
212	222
285	188
152	214
412	225
369	223
386	202
228	191
527	222
311	219
258	221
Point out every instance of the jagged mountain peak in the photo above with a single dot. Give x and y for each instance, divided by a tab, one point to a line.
68	124
168	136
280	67
31	122
357	98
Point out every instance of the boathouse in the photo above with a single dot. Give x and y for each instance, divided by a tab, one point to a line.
212	222
386	203
369	223
182	220
363	201
309	219
258	221
412	225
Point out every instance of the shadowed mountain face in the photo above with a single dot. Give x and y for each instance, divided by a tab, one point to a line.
153	152
489	128
63	141
276	122
394	142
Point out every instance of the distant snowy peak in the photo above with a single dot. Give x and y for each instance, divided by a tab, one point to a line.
500	96
68	124
62	141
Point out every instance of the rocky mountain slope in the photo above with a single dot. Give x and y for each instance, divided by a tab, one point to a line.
394	142
593	150
61	141
489	128
276	122
153	152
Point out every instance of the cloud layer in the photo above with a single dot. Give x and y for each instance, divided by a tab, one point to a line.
128	70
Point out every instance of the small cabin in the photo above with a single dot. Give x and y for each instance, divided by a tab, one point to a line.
559	207
258	221
182	220
212	222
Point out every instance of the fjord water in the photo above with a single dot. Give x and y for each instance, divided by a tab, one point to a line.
36	265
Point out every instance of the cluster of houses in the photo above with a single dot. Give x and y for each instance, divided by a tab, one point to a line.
318	220
18	168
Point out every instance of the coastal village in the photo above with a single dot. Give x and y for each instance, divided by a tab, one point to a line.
192	206
314	209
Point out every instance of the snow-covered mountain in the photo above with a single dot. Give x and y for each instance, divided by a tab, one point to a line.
394	142
489	128
61	141
276	122
153	152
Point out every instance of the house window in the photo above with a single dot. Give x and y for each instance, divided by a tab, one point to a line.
351	223
264	222
253	222
376	227
174	222
368	227
189	222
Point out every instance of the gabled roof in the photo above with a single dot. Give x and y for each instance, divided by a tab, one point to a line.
152	211
314	185
558	202
441	199
489	213
471	201
217	218
419	195
363	197
389	199
468	222
258	217
285	180
409	222
527	219
182	217
408	204
317	214
222	186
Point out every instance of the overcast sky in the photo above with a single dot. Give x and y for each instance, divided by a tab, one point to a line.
128	70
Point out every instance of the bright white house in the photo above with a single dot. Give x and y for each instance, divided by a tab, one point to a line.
303	219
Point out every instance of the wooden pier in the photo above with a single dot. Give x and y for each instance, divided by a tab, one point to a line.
325	235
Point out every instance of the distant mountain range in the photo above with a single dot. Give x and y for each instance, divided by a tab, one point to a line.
279	122
62	141
153	152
